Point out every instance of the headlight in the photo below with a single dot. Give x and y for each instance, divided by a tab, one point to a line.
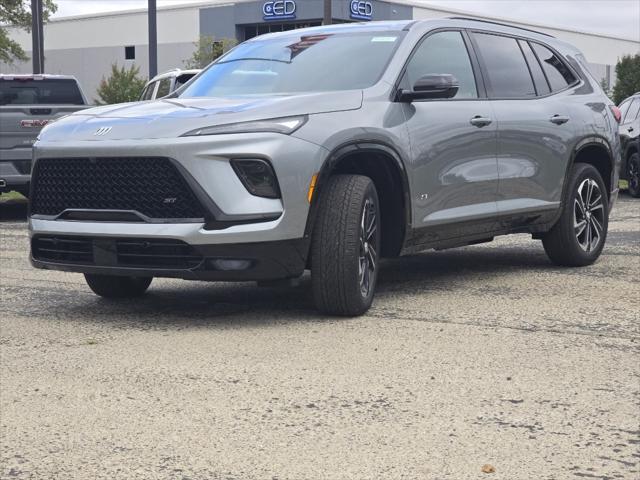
286	126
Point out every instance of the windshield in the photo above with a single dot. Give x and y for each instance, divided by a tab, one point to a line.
44	92
295	64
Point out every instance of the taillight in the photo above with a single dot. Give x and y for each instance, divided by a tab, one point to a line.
617	114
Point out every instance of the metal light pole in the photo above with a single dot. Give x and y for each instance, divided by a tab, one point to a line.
153	39
37	37
327	20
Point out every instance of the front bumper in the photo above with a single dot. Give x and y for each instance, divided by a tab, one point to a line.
206	161
229	262
15	169
267	232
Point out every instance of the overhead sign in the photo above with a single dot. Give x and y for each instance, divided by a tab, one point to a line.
279	10
361	10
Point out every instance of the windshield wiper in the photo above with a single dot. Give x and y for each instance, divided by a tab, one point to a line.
254	58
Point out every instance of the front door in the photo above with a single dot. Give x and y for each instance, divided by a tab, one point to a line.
454	175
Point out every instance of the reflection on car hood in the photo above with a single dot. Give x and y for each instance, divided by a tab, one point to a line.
169	118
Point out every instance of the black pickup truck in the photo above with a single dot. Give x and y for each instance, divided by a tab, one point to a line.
28	103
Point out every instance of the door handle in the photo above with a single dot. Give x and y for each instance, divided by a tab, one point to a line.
480	122
559	119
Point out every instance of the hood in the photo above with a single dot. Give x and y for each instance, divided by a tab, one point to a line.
170	118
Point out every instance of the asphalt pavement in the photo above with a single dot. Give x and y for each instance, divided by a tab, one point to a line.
479	359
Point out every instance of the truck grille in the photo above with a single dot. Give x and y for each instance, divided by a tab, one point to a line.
152	186
116	252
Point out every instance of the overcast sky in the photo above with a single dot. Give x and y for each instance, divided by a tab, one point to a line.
614	17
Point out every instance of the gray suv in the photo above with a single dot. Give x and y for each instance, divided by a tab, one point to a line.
327	149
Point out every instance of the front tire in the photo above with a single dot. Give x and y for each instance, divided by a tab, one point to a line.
345	246
112	286
577	239
633	175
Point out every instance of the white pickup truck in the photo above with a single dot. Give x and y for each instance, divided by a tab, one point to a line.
28	103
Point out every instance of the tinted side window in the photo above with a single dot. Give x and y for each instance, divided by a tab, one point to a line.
632	112
48	91
164	88
507	70
443	52
147	93
558	73
539	79
184	78
624	106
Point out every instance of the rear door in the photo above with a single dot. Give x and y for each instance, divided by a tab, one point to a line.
454	177
528	85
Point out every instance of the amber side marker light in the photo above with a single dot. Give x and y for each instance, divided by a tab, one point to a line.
312	187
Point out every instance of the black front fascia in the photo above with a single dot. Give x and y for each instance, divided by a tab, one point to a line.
102	255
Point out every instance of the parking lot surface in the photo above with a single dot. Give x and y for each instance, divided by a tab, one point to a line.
480	356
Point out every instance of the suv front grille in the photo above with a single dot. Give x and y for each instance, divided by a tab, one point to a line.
63	249
156	253
152	186
116	252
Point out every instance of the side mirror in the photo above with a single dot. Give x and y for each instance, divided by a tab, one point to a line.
431	86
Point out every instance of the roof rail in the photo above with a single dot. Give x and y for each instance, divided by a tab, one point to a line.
501	24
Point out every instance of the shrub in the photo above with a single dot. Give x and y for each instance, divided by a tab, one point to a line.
124	85
207	50
627	77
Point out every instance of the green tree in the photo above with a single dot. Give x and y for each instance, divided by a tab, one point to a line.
17	13
124	85
605	87
207	50
627	77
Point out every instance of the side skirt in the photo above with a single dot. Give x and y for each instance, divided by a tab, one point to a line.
439	238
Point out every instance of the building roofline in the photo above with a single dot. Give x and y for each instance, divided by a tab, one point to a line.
471	15
412	3
115	13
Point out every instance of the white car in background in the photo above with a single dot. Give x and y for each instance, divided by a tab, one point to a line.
164	83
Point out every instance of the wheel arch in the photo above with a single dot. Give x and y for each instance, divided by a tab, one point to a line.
372	158
595	151
581	154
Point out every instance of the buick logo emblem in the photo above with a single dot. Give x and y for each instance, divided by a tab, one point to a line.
102	131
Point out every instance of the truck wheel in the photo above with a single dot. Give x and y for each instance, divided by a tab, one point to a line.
633	175
345	246
113	286
577	239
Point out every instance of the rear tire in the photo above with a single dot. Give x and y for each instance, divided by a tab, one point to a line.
345	246
577	239
113	286
633	175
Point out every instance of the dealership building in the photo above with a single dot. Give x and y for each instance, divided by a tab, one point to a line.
86	46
